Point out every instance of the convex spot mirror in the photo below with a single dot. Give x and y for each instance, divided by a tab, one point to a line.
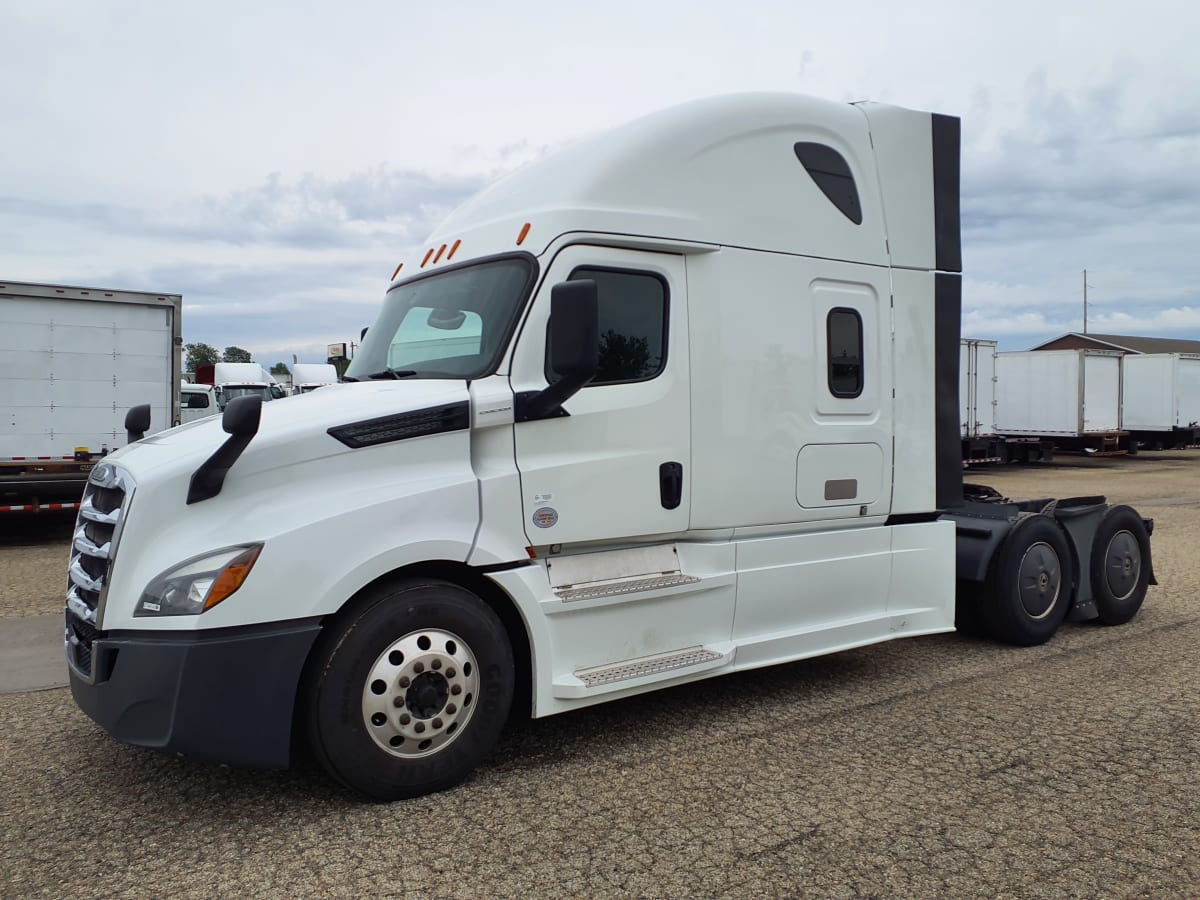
242	415
137	420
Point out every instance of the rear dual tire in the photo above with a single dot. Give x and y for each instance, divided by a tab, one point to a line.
1120	565
1030	586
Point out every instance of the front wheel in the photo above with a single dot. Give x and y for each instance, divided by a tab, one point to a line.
408	695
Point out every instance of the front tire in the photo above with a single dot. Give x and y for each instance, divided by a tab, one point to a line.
410	693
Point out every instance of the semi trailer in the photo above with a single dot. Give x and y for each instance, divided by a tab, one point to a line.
1071	398
982	444
1160	399
678	402
72	361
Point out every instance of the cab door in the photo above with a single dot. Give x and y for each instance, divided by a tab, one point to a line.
617	465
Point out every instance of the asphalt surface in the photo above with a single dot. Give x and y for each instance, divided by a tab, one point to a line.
928	767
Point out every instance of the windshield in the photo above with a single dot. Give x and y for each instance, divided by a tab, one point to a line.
451	325
229	391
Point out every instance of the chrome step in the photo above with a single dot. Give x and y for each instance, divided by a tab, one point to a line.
615	674
625	586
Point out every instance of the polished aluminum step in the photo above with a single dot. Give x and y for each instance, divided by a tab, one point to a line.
597	676
624	586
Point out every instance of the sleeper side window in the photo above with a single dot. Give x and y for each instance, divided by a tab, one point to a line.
633	325
844	334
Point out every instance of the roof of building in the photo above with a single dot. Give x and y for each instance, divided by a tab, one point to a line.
1130	343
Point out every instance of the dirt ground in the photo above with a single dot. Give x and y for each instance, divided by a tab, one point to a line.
930	767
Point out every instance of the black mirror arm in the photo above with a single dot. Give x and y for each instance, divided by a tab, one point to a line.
240	421
547	403
207	480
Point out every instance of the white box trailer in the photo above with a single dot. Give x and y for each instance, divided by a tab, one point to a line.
981	441
675	403
977	387
1072	397
1160	398
73	361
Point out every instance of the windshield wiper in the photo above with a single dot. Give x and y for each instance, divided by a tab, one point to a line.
393	373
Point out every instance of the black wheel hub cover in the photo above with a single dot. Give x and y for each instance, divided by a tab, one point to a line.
427	695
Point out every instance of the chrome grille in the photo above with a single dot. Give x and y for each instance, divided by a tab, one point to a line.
93	549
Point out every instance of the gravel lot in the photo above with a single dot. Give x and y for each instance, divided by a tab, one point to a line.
927	767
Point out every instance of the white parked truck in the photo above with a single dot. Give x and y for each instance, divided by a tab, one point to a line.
681	363
1160	399
72	362
308	377
197	401
230	380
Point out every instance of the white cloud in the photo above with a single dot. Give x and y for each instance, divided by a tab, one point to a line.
273	161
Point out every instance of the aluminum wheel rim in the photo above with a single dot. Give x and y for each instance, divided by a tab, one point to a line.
420	693
1123	564
1039	580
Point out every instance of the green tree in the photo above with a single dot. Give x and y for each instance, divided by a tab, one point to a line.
236	354
201	355
624	357
279	369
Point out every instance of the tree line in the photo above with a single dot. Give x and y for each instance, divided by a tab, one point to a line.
199	354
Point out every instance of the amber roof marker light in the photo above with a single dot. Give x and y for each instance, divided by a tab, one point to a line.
524	232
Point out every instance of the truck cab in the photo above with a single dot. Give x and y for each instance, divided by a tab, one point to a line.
197	401
232	380
676	403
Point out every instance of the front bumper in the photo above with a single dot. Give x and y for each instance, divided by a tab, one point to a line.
227	696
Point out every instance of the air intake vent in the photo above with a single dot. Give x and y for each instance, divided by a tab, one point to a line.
386	429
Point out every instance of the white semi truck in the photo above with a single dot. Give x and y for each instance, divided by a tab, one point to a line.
72	361
235	379
307	377
695	412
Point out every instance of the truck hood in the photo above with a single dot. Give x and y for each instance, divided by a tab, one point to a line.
292	430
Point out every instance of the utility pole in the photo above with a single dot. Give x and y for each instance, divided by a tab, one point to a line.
1085	301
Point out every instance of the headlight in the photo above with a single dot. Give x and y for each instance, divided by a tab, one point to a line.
198	584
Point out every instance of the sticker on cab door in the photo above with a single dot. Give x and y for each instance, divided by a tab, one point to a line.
545	517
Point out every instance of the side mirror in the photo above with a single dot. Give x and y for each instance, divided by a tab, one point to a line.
575	330
137	420
574	349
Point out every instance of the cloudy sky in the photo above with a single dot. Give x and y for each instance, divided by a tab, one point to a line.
273	161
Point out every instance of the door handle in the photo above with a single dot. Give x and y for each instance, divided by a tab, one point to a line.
670	484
